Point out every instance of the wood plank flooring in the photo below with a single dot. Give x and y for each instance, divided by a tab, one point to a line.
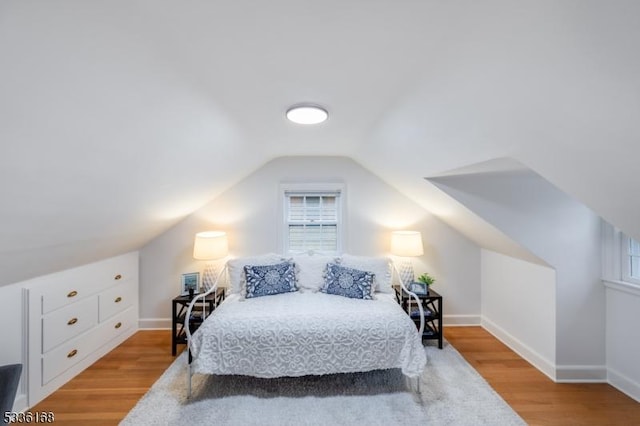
105	392
535	397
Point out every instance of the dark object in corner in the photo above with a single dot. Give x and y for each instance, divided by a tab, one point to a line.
9	379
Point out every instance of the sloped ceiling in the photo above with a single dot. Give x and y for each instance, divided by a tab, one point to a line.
118	118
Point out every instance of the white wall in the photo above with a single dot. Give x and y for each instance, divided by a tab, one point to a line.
623	315
623	337
519	307
567	236
248	212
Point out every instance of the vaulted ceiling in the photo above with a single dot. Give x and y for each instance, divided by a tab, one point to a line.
118	118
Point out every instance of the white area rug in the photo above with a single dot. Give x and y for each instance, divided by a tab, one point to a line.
453	393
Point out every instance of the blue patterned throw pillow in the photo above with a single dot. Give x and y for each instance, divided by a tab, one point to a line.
270	279
348	282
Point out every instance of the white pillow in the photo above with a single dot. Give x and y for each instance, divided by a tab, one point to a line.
380	266
236	269
310	270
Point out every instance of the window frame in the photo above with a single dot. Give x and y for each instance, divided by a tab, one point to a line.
626	256
311	189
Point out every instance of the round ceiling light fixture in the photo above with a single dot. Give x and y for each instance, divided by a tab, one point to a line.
307	114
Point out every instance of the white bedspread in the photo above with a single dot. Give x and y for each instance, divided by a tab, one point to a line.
297	334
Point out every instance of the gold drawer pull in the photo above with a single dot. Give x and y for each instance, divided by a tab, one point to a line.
117	277
118	299
72	353
72	294
72	321
118	325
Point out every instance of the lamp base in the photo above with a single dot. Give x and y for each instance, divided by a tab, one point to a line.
208	276
405	270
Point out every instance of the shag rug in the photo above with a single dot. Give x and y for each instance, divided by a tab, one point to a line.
452	393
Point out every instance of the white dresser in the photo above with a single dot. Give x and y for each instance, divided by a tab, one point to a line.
76	316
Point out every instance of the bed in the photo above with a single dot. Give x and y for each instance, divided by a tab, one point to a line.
306	331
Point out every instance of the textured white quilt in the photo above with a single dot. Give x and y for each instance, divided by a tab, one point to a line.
297	334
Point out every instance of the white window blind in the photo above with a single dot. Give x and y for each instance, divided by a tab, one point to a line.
312	221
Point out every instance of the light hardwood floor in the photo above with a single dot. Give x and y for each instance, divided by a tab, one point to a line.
537	399
105	392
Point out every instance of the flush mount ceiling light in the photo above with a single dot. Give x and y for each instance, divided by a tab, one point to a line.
307	114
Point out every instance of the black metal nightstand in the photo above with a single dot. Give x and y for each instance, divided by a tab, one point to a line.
199	312
432	306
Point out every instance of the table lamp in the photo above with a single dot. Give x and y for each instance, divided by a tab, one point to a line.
210	245
406	244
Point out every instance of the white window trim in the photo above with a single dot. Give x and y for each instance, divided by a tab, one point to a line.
625	257
311	187
622	286
615	260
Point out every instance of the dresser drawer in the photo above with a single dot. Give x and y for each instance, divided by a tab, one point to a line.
117	299
68	322
66	355
75	284
67	292
115	326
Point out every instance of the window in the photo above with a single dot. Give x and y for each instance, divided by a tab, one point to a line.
620	257
631	263
312	221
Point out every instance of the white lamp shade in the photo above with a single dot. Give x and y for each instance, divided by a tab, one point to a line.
406	243
210	245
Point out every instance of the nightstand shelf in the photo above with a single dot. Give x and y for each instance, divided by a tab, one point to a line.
199	313
432	307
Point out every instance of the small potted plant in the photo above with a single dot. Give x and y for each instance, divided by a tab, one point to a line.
421	287
427	280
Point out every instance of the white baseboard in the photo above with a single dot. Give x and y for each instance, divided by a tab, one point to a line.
538	361
460	320
154	323
20	404
581	374
624	384
560	374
